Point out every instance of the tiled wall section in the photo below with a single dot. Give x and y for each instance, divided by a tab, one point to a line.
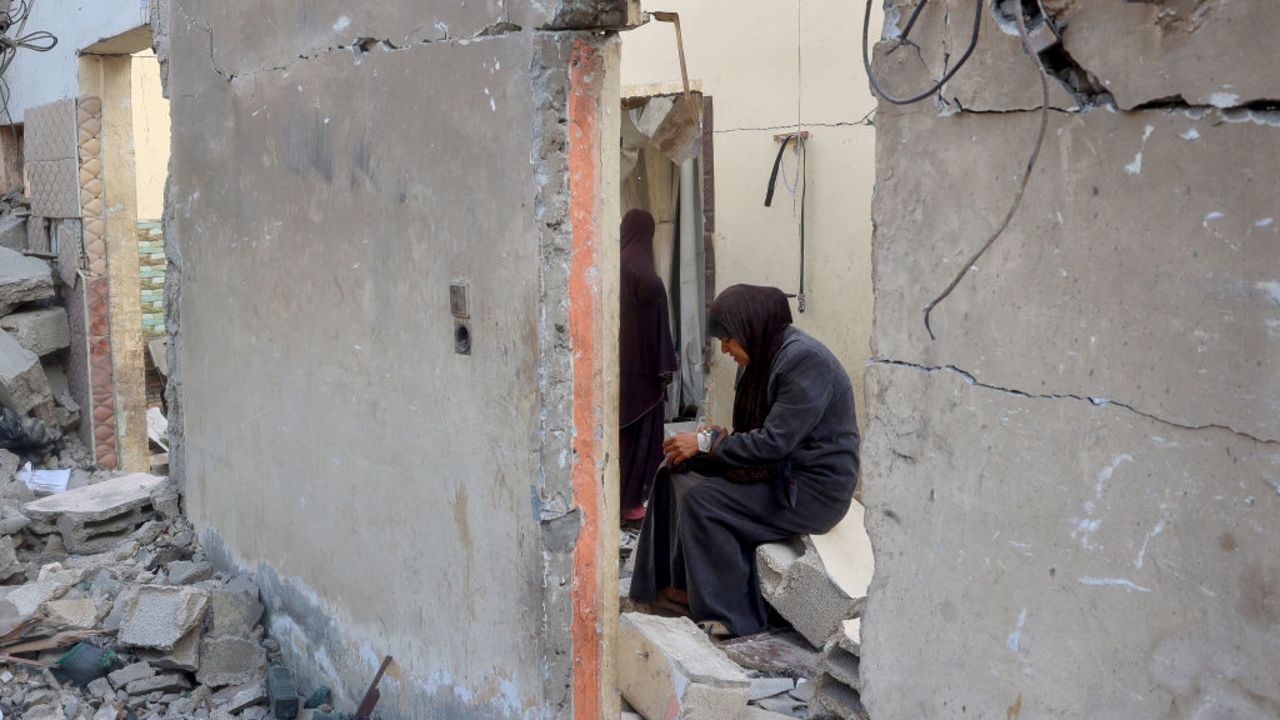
152	264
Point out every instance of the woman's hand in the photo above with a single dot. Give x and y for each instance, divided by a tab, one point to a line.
680	447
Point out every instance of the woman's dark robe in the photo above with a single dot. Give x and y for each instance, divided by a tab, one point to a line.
702	529
648	360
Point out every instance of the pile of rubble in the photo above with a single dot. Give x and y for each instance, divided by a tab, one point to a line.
109	610
668	668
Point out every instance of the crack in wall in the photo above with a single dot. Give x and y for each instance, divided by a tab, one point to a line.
1095	401
359	46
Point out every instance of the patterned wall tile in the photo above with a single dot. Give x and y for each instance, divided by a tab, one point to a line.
50	131
54	187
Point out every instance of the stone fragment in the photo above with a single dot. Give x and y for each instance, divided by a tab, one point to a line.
230	661
23	385
768	687
756	713
109	711
40	331
131	673
185	572
94	518
795	582
256	713
12	521
9	464
840	664
158	616
234	609
101	688
172	682
282	693
668	668
52	582
236	698
79	613
184	656
22	279
9	565
834	699
166	500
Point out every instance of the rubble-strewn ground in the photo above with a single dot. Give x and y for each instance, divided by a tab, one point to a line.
136	623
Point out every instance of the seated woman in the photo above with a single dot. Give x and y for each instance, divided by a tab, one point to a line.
789	467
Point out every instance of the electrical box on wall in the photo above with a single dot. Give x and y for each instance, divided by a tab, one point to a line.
460	308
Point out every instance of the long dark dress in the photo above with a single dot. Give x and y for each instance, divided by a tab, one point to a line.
702	529
647	359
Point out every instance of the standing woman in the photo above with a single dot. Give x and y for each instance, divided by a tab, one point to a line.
789	467
648	362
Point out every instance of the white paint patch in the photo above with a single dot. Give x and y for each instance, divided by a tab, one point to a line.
444	29
1135	167
1271	288
1191	134
1224	99
1215	215
1265	222
343	23
1113	582
1163	443
1142	552
1015	638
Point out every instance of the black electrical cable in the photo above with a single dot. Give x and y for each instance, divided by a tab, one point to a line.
875	84
1022	185
911	22
801	302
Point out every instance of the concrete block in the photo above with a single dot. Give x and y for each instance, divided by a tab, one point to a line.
23	385
667	668
158	616
795	582
172	682
282	693
131	673
234	609
185	572
834	699
840	664
238	697
184	656
22	279
230	661
96	517
79	613
41	331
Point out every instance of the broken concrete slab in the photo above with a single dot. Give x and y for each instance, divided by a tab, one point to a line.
9	564
96	517
158	616
78	613
774	653
41	331
840	664
230	661
184	656
668	668
131	673
172	682
22	279
236	698
846	553
234	608
23	385
186	572
836	700
52	583
795	582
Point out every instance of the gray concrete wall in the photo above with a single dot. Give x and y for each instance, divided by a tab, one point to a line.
1074	490
335	167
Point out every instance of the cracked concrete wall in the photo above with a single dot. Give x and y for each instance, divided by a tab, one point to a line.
1073	491
334	169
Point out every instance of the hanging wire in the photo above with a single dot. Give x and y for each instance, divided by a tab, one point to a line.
14	37
946	77
1022	185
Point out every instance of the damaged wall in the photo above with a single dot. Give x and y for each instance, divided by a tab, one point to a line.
1073	490
335	168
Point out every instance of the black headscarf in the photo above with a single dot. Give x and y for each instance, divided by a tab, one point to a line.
647	354
756	317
